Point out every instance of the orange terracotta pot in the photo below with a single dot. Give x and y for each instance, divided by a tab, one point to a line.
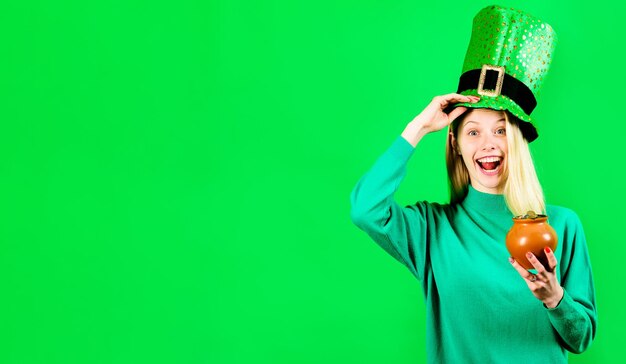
530	234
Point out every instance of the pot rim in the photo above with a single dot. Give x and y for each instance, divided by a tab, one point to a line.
540	217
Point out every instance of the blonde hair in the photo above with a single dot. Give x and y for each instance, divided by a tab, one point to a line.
522	190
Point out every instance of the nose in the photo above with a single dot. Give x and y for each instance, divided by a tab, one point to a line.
488	144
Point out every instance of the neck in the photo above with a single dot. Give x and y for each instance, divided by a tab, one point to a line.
492	203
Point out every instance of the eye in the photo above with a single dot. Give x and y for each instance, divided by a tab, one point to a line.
501	131
472	132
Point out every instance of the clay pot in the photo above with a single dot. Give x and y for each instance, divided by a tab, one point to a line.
532	233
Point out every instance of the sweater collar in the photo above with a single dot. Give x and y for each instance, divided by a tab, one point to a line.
485	202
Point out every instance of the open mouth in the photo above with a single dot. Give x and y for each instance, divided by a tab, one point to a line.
490	165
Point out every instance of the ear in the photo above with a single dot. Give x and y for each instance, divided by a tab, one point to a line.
455	145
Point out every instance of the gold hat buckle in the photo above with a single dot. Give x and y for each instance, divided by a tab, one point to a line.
483	75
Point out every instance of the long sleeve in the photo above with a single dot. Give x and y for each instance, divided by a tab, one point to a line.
401	232
575	317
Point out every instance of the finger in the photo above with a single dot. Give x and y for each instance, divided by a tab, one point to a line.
455	96
552	262
456	113
444	100
521	270
541	270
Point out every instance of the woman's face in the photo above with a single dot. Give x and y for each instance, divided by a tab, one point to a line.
481	139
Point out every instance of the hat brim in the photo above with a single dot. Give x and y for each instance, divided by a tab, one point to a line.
501	102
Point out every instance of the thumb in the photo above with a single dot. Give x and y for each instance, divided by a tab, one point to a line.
456	113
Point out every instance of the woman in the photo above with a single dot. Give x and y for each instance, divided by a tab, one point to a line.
482	306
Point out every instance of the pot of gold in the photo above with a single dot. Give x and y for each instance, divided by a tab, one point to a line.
530	233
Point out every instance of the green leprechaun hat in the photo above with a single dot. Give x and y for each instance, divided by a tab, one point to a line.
506	63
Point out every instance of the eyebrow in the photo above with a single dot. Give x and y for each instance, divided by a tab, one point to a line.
476	122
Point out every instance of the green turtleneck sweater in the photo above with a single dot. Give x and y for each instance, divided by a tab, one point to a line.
478	308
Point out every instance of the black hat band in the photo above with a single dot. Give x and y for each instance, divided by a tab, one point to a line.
500	82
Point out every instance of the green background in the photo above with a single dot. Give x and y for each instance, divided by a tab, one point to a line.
176	175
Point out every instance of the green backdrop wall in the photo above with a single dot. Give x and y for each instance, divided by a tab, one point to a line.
176	175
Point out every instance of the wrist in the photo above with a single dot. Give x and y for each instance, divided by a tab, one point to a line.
414	132
553	302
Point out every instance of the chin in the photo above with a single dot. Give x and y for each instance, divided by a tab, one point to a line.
491	184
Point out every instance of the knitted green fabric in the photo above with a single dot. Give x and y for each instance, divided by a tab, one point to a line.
478	308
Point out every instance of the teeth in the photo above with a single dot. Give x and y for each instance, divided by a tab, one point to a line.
490	159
